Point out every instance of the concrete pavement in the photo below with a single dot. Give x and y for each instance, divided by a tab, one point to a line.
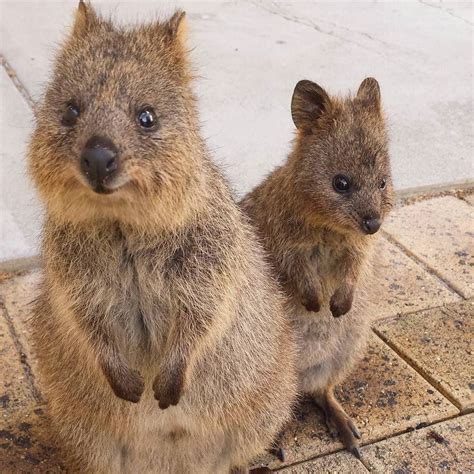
248	56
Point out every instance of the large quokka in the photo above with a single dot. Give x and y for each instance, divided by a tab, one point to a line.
317	214
156	293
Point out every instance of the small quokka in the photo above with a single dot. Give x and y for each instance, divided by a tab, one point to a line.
162	341
317	215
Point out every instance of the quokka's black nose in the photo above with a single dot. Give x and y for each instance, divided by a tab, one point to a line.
99	161
371	225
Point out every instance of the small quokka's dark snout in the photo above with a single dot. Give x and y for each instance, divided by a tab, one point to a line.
99	161
371	225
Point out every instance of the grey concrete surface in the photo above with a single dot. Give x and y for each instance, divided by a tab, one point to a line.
248	56
19	209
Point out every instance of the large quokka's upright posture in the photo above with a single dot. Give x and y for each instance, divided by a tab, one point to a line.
317	214
155	289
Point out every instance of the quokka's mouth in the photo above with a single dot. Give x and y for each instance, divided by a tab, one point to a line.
104	188
101	189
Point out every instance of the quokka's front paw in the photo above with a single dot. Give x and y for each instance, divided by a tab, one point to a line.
311	305
127	384
311	302
340	303
168	389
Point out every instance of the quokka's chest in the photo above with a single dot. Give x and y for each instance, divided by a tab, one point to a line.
108	277
329	257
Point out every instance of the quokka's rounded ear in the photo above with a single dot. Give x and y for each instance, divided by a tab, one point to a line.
369	93
85	18
308	103
176	26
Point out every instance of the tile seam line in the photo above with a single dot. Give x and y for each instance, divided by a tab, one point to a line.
430	380
408	430
18	84
457	189
26	367
400	314
376	440
425	265
313	458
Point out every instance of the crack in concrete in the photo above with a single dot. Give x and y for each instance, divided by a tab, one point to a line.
450	13
362	33
17	83
29	376
314	26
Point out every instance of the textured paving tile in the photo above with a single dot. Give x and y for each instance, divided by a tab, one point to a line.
401	285
440	232
444	447
25	443
440	344
5	276
24	431
17	295
14	390
340	462
469	198
384	396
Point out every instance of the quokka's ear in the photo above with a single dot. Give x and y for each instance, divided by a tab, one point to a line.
85	18
369	94
308	103
176	26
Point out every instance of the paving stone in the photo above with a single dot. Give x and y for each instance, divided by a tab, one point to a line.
469	198
439	232
341	462
14	389
25	444
17	295
444	447
439	343
5	276
384	396
401	285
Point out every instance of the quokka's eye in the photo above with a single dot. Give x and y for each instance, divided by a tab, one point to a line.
70	115
147	118
383	184
341	183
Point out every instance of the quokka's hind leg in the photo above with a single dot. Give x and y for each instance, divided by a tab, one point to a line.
339	423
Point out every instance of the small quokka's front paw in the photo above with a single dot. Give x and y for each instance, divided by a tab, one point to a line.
340	303
168	390
127	384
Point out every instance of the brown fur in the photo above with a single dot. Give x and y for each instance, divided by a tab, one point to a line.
315	236
157	289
